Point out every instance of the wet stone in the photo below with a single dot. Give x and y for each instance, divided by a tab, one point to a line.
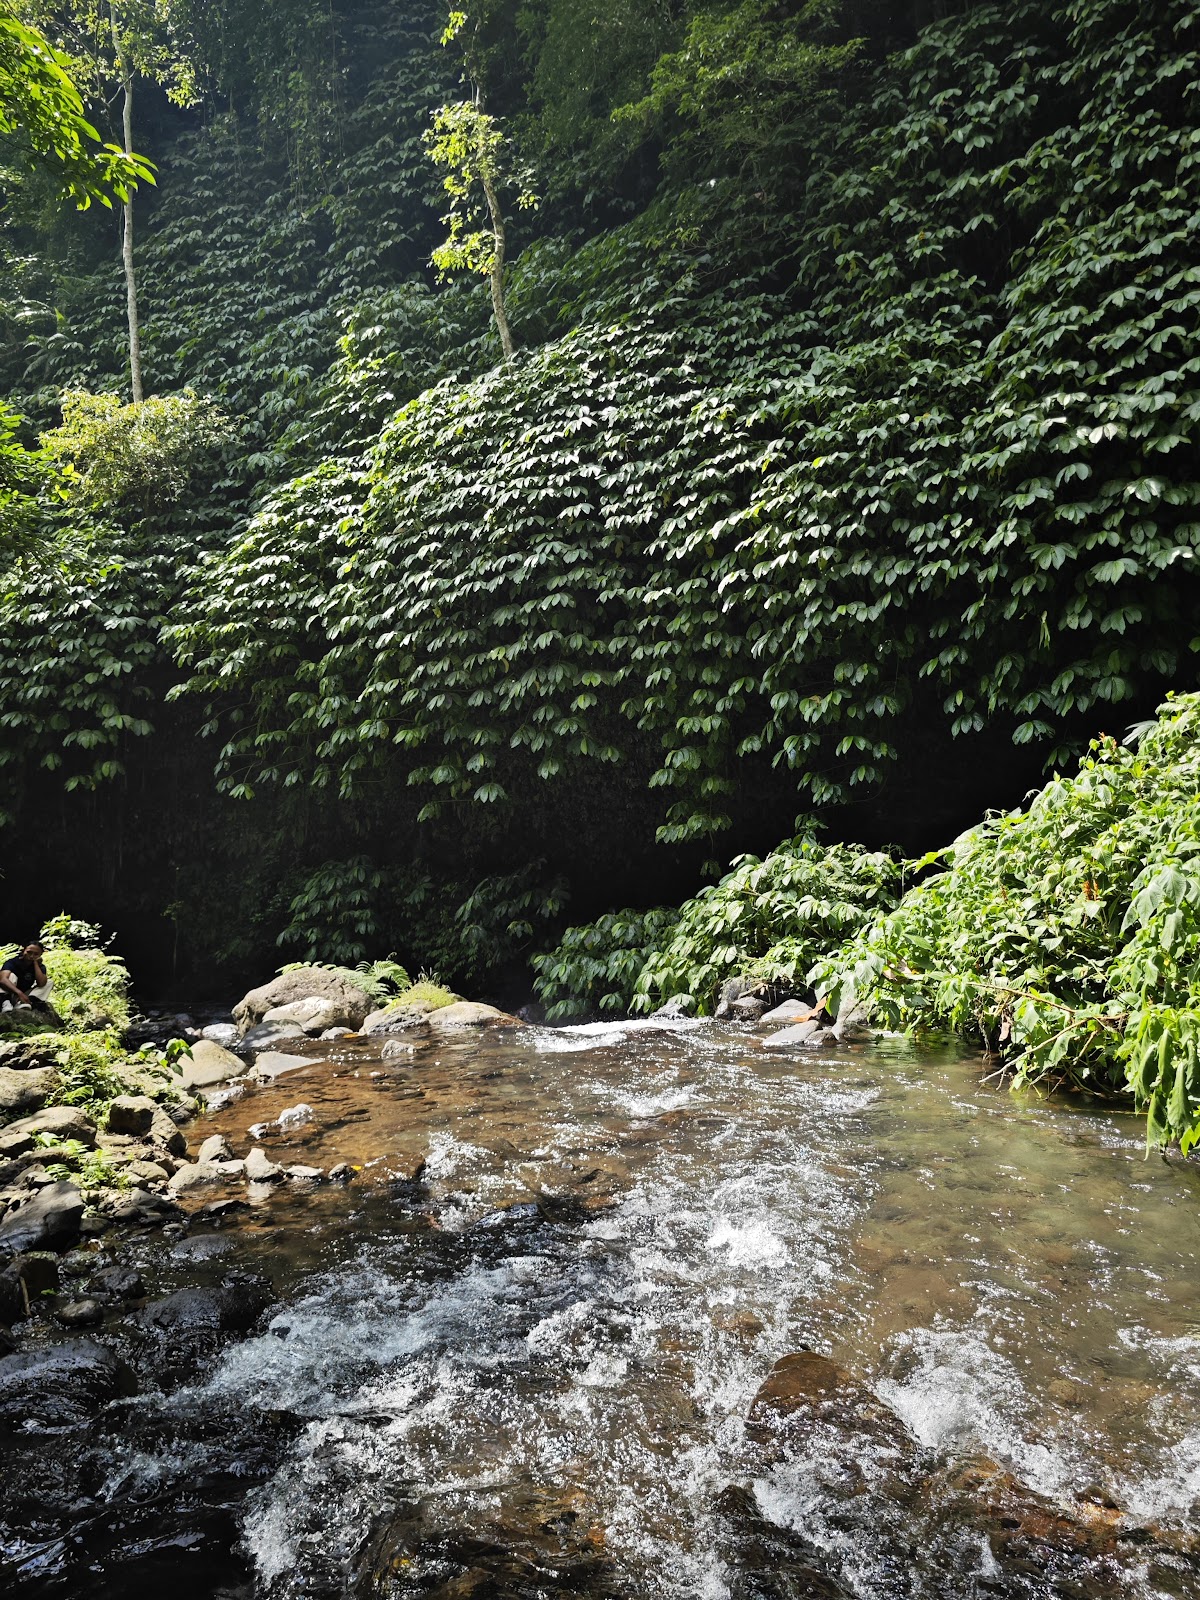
48	1221
58	1386
80	1314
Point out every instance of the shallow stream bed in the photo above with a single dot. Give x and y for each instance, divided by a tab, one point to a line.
516	1357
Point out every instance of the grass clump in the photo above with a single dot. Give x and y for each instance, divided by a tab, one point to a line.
1066	934
427	993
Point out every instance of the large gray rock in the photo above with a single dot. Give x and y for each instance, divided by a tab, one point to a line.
131	1113
48	1221
274	1063
804	1036
234	1306
215	1148
261	1169
265	1034
64	1122
210	1063
221	1033
734	989
351	1002
23	1091
203	1174
790	1012
313	1014
397	1019
21	1054
470	1014
59	1386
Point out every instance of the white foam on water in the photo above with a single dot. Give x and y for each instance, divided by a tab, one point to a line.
448	1156
1171	1496
656	1103
752	1244
961	1396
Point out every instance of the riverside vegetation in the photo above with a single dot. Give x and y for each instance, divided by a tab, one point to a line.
840	482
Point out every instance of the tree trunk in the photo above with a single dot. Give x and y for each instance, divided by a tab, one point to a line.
131	305
497	273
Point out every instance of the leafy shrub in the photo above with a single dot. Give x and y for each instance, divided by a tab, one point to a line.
1066	934
72	933
90	1069
91	988
141	456
594	967
772	917
768	918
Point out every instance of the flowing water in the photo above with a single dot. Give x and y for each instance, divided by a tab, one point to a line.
517	1356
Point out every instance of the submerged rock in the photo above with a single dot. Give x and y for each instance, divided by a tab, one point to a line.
266	1034
806	1391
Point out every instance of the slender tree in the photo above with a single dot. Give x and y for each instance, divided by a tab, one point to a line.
116	42
480	164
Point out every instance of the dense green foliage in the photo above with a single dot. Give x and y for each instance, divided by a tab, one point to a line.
768	920
43	122
1066	934
854	410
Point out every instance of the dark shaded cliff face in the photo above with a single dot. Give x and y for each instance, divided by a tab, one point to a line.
197	887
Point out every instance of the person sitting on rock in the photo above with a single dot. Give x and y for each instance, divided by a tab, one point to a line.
23	980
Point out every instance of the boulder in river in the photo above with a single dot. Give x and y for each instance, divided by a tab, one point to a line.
803	1036
215	1148
265	1034
302	983
59	1386
470	1014
788	1013
225	1033
25	1090
805	1392
49	1220
313	1014
233	1306
210	1063
735	989
261	1169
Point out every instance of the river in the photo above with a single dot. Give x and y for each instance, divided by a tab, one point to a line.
517	1356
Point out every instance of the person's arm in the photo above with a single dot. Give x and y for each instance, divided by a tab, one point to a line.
39	971
7	981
